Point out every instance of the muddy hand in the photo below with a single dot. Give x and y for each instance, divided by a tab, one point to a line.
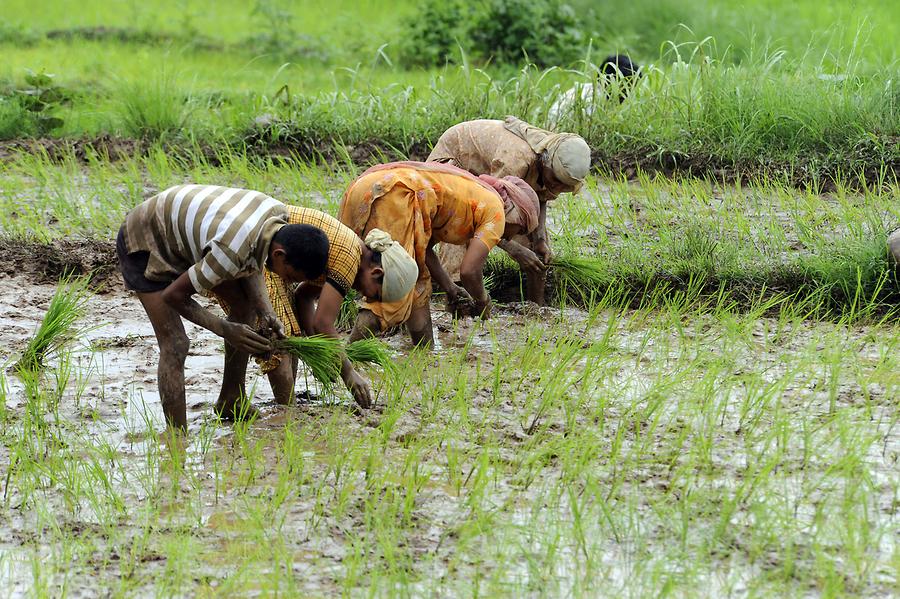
360	388
483	308
246	339
274	325
459	302
529	261
542	250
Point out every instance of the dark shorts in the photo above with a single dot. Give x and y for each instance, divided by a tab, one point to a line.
133	266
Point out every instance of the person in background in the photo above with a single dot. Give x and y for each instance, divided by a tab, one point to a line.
207	239
617	74
550	163
421	204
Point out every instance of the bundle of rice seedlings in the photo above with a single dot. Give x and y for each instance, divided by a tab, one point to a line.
321	354
579	276
369	351
348	312
69	304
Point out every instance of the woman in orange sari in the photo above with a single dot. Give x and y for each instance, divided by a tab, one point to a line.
420	204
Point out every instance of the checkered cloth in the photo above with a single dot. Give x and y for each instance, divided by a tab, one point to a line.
344	257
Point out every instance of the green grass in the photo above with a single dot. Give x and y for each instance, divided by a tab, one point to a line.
736	93
368	351
321	354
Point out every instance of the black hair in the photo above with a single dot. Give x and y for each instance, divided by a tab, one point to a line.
305	248
620	65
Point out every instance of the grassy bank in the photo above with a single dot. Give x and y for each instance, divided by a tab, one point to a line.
728	91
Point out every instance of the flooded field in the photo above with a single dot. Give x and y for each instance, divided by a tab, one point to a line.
546	452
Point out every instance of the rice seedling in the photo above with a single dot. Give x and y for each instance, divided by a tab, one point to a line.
321	354
58	327
368	351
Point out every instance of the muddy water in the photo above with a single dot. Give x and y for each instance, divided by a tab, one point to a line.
115	362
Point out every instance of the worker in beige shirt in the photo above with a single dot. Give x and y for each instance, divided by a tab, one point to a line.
551	163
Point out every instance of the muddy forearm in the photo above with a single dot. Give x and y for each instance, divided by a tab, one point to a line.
471	271
438	274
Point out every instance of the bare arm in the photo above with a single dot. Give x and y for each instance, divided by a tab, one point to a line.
438	274
526	258
178	296
471	272
305	306
327	311
539	236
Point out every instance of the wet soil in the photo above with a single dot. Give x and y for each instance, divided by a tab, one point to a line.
119	401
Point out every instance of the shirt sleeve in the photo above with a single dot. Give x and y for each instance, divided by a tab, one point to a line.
219	263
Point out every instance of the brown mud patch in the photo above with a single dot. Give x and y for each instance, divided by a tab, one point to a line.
48	262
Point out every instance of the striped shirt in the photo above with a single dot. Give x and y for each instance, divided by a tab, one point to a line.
213	233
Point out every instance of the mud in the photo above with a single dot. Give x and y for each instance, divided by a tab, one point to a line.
118	409
49	262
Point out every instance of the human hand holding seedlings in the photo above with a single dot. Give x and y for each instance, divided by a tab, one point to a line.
483	307
542	251
459	302
527	259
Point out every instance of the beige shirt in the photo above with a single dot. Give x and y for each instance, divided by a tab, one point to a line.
486	147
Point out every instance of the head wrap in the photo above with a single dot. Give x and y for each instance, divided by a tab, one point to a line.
568	155
519	201
400	270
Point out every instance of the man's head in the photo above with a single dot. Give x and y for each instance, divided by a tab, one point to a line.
565	164
298	253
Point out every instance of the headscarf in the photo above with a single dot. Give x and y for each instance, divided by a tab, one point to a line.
400	270
568	154
520	202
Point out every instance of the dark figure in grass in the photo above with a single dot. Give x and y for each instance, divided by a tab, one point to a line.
213	240
615	77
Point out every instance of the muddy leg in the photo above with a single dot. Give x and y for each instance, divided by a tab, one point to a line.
419	326
282	380
232	397
233	388
366	325
536	283
173	349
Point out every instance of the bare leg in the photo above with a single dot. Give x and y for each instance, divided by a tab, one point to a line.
536	283
366	325
282	380
235	368
173	349
419	326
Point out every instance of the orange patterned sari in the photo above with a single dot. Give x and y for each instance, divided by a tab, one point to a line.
419	204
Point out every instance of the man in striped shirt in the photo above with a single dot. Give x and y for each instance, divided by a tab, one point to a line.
204	238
